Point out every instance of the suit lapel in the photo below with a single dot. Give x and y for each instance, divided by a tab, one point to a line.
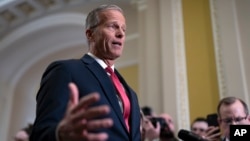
135	111
106	84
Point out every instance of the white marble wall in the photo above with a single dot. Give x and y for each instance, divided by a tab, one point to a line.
231	32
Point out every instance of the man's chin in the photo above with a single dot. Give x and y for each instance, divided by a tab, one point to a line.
114	57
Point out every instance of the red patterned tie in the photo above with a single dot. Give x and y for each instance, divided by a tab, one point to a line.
123	95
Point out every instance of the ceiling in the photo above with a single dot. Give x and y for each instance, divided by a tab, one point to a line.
34	33
15	13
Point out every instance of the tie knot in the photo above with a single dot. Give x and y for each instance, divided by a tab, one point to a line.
109	70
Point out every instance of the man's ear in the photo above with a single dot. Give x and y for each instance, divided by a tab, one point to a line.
89	34
248	118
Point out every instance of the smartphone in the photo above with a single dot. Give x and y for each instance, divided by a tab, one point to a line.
162	121
212	119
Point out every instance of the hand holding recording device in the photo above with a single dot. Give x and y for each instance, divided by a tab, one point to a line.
165	131
154	121
212	120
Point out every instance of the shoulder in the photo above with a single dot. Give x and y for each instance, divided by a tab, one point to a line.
68	62
72	63
65	64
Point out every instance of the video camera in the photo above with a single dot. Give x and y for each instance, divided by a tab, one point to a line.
162	121
165	131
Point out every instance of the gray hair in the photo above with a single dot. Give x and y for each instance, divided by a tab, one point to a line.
93	20
229	101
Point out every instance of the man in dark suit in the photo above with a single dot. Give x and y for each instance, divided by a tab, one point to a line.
101	112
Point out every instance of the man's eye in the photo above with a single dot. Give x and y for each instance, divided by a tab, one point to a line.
111	26
239	119
229	120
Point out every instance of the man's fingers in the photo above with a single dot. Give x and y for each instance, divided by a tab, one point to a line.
97	137
84	135
211	134
96	124
74	94
91	113
212	129
92	125
86	101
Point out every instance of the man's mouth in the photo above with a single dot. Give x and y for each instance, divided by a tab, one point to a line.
117	43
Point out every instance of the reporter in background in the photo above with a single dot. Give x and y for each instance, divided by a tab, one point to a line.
149	132
231	111
158	128
168	131
199	126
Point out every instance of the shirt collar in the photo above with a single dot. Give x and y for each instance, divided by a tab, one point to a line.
101	62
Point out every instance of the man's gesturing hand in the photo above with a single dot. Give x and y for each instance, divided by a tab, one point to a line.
79	118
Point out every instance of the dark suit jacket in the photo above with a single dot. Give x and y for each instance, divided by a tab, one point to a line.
89	76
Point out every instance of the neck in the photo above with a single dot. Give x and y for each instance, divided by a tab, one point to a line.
108	62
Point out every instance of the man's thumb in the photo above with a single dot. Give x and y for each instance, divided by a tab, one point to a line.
74	94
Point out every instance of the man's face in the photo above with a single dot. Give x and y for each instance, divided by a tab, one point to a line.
199	127
169	121
232	114
107	39
169	131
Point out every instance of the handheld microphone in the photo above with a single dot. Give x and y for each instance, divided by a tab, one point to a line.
189	136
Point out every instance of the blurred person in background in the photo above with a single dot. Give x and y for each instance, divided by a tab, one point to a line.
149	132
199	126
167	132
231	111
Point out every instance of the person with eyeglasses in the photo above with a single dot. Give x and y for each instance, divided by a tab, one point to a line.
199	126
231	111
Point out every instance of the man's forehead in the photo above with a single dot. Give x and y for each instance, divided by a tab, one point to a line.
110	13
233	109
112	16
200	124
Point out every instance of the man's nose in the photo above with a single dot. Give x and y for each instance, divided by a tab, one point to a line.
120	33
233	123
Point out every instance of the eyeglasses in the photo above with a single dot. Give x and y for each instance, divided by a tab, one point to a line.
198	129
231	120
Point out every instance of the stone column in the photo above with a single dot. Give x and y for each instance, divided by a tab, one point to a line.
230	20
162	64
